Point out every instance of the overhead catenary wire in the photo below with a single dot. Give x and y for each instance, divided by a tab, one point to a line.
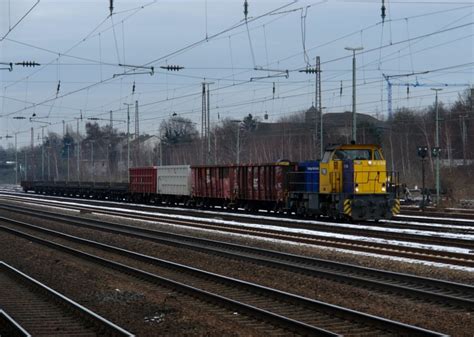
10	27
90	35
409	47
421	15
115	40
192	45
304	14
234	74
231	59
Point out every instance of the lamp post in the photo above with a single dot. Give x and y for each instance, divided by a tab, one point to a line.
68	146
7	137
321	138
161	148
91	143
26	165
128	139
42	153
16	152
436	150
354	125
78	148
16	160
238	139
422	153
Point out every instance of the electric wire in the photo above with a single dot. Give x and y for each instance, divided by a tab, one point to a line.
254	62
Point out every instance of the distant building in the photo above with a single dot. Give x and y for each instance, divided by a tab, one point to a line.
336	125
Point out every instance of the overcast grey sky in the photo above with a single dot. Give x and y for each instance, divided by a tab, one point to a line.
80	45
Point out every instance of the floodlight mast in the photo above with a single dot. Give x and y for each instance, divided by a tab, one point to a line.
128	138
354	120
437	152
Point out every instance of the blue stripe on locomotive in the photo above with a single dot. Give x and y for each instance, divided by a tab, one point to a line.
311	175
348	176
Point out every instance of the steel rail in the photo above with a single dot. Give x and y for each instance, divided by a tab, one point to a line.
383	234
10	327
52	297
467	214
443	292
317	310
445	257
226	214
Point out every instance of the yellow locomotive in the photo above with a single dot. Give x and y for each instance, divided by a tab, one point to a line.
351	181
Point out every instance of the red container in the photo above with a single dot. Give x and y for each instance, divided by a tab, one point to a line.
143	180
214	182
263	182
248	182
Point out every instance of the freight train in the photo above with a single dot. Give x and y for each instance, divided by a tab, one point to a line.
349	182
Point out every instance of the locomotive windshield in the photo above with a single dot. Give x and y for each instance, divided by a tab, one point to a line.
352	154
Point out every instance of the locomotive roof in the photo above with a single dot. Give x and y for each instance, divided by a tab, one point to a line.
352	147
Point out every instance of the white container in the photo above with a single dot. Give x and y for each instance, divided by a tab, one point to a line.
174	180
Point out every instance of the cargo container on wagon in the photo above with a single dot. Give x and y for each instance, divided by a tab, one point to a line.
143	181
212	185
174	183
250	186
263	186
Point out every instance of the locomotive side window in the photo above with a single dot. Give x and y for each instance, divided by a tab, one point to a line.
326	156
377	155
339	155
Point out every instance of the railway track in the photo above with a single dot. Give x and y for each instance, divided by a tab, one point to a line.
380	231
30	308
393	248
429	289
446	213
284	310
408	220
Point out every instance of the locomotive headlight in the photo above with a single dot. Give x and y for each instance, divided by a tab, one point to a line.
357	189
370	162
383	189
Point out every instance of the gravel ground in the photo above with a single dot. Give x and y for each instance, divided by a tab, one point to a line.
306	250
393	307
145	310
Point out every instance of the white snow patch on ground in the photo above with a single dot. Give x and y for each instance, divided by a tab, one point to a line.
434	218
421	225
348	251
266	216
294	231
290	230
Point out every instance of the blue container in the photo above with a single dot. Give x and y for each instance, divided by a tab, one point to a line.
311	175
348	176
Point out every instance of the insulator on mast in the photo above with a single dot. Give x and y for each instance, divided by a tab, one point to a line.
383	11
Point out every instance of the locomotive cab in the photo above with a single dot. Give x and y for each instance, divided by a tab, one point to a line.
355	184
358	169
